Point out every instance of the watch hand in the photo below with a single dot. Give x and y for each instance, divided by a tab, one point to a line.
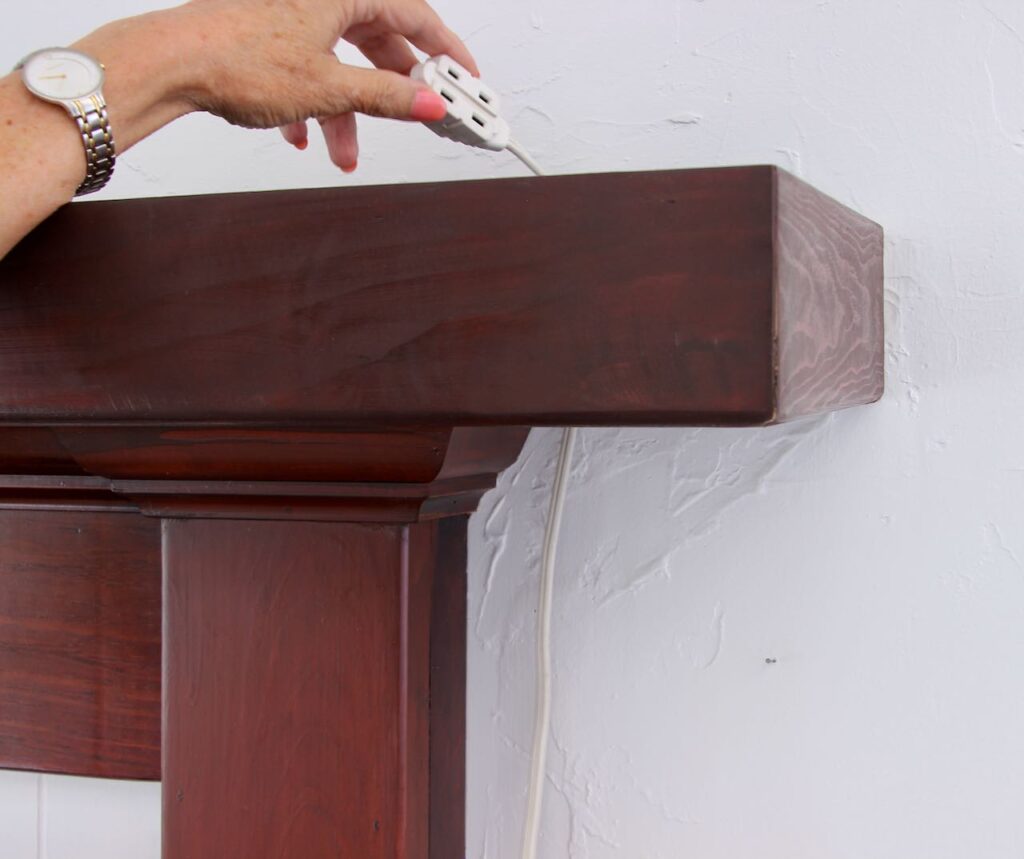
53	77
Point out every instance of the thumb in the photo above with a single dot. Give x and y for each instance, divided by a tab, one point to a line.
380	93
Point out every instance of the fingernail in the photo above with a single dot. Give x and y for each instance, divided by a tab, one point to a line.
428	106
301	145
351	168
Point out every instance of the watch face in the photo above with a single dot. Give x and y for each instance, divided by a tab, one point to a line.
59	74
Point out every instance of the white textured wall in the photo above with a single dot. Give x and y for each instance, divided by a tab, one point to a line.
877	555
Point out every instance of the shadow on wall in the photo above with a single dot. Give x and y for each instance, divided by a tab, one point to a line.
704	473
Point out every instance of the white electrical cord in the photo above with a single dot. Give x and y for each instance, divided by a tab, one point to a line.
516	149
474	118
542	705
542	709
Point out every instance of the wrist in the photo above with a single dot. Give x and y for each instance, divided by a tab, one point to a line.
148	68
41	133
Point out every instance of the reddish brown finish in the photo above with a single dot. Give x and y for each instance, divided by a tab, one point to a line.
467	465
297	660
322	359
80	643
420	563
223	453
628	298
383	476
413	455
448	693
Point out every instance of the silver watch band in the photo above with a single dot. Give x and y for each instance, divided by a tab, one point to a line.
91	116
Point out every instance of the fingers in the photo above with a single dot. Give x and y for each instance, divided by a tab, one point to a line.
380	33
421	25
339	134
342	140
376	93
439	39
384	50
296	134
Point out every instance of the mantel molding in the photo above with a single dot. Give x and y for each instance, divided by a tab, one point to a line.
359	476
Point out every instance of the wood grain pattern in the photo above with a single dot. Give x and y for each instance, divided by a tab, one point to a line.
382	476
458	465
80	643
80	653
614	299
298	707
281	690
226	453
419	546
265	372
335	455
829	303
448	692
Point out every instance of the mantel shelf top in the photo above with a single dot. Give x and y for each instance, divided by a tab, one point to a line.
731	296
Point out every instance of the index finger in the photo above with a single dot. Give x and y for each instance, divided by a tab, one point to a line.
422	26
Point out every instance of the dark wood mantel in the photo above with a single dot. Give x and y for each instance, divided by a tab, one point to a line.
283	406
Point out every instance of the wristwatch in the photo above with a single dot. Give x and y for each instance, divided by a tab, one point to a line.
75	80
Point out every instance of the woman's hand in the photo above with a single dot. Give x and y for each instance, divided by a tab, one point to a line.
269	63
257	63
272	63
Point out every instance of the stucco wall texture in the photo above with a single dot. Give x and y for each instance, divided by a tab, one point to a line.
804	641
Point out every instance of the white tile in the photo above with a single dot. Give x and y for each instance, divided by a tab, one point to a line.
18	818
100	819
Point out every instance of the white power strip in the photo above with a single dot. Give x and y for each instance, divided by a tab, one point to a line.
474	116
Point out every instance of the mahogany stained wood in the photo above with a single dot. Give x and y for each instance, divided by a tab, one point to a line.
455	466
382	476
267	371
447	771
297	688
80	643
625	298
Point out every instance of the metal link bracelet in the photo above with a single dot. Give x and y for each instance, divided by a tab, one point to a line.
100	155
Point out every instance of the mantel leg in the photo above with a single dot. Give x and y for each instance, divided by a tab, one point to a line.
314	690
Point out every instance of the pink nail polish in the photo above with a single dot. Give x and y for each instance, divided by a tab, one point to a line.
351	168
428	106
